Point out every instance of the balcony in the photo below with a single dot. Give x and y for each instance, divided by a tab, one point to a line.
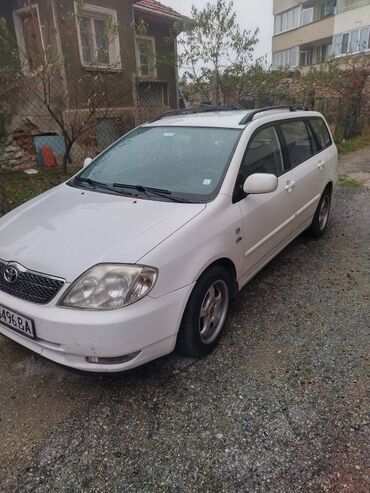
316	53
344	5
304	35
327	6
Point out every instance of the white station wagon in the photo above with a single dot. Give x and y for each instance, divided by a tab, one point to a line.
140	252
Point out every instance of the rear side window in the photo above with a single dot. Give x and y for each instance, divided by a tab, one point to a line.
263	155
321	132
298	141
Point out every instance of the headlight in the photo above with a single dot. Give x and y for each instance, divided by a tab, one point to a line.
110	286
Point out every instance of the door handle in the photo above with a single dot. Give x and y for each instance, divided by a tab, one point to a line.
321	165
289	186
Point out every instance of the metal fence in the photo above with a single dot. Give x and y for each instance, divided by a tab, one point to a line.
30	136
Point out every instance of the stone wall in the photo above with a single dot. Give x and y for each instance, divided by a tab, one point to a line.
17	150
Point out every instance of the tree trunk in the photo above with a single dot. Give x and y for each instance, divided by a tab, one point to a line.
67	155
349	121
215	90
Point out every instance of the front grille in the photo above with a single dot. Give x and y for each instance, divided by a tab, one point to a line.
30	286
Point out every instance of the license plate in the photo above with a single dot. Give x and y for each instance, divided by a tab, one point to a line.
17	322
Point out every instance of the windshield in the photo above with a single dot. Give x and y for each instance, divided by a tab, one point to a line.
175	162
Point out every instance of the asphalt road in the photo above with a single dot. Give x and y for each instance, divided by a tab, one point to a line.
281	406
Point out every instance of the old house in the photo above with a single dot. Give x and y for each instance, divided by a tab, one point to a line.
115	69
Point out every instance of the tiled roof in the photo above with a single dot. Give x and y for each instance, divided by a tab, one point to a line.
157	8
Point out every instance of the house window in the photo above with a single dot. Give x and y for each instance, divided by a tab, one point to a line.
354	42
145	47
307	16
304	58
337	43
287	20
29	38
344	46
364	39
153	94
97	36
286	58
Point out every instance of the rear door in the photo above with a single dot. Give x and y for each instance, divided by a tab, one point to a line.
305	182
266	217
327	157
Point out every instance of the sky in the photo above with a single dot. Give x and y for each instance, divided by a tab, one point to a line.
251	14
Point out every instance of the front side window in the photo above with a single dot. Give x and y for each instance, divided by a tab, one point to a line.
298	142
98	36
183	162
146	56
263	155
321	132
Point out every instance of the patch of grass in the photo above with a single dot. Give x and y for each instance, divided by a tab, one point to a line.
16	187
348	182
355	144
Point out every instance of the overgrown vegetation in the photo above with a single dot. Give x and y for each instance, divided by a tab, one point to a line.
348	182
214	45
17	187
351	145
217	60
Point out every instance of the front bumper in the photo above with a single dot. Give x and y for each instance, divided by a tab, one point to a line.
147	329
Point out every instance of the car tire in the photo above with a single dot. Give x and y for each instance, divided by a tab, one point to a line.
321	217
205	314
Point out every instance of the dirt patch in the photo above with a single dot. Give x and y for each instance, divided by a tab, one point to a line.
356	165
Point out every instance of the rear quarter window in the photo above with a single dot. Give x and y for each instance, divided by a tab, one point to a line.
321	132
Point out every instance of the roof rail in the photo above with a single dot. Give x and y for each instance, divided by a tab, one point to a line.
249	117
197	109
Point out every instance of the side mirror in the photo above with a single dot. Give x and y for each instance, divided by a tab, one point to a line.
260	183
87	161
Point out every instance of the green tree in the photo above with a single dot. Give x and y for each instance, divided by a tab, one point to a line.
213	43
346	79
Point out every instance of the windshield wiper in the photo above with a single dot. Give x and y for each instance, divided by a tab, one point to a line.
159	192
98	184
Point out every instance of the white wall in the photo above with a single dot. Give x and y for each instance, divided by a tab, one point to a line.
352	19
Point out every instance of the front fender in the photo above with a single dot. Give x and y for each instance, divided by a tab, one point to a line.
210	236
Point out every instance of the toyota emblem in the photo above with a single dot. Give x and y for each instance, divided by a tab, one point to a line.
11	274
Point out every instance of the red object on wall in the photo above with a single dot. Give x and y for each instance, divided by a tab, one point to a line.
48	157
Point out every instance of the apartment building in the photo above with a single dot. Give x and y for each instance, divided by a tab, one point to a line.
309	32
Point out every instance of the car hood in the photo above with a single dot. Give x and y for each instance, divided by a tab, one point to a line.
66	230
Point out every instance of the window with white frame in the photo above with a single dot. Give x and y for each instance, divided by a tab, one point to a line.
307	16
145	56
98	36
29	37
287	20
285	58
304	58
364	43
352	42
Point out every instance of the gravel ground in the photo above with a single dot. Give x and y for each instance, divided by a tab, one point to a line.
281	406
